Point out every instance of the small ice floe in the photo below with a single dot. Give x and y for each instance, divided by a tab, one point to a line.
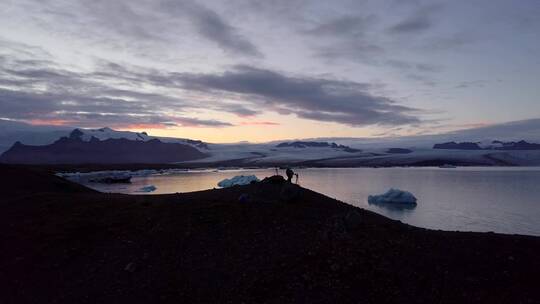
143	173
147	189
238	180
108	177
393	196
113	179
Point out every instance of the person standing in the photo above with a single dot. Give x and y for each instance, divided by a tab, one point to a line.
290	174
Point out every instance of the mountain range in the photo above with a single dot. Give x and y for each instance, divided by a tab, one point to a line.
514	143
74	149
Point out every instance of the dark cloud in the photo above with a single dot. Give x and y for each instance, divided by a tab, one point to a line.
344	26
456	40
312	98
90	112
237	109
47	93
427	67
352	50
125	18
196	122
345	38
411	25
471	84
113	95
213	27
141	28
419	21
26	51
414	66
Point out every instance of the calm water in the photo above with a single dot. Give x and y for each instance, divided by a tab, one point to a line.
505	200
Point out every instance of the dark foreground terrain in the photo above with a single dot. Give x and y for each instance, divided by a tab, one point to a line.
278	243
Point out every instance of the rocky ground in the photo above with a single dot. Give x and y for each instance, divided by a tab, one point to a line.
269	242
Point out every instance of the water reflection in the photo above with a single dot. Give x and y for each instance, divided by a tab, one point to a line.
474	199
394	207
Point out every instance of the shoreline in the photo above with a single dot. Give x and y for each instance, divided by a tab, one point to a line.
428	215
279	243
84	168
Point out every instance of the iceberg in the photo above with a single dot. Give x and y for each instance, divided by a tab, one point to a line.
108	173
150	188
393	196
238	180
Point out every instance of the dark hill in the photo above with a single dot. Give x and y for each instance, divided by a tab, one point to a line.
520	145
458	146
506	146
315	144
209	247
19	180
73	150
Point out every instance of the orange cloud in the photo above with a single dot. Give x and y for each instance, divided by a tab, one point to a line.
141	126
259	123
49	122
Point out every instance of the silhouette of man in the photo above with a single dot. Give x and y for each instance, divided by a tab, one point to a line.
290	174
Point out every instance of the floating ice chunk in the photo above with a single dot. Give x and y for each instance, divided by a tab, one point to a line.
393	196
110	174
238	180
144	173
150	188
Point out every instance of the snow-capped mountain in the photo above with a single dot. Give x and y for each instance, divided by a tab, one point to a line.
12	131
108	133
74	149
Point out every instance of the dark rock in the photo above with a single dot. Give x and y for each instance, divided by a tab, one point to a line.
76	134
289	193
353	220
275	179
244	198
131	267
458	146
315	144
520	145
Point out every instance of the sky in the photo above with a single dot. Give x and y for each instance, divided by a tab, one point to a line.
239	70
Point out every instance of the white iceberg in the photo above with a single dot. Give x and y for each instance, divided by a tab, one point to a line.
238	180
105	174
149	188
393	196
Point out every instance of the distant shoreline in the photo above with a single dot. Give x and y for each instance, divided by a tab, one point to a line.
231	165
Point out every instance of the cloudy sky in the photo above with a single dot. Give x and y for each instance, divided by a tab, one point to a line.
234	70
